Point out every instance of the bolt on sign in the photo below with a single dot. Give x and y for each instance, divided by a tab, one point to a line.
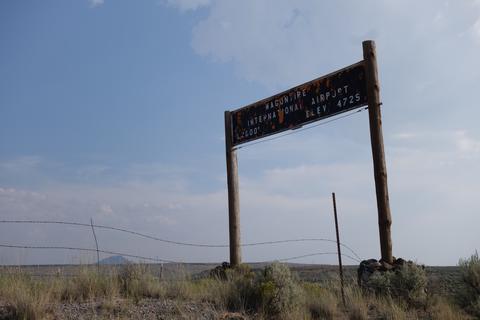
338	92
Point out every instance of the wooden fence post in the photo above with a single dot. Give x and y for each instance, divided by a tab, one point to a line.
376	138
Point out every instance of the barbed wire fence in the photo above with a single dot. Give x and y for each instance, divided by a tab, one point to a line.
352	255
330	280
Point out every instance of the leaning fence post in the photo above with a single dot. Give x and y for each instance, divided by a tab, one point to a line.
338	248
96	244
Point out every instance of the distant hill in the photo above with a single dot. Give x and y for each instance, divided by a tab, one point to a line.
115	260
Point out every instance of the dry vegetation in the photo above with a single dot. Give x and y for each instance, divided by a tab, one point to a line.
133	292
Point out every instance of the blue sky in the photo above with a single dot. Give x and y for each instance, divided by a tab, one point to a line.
113	110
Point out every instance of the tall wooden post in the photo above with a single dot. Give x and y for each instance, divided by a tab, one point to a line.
233	195
376	137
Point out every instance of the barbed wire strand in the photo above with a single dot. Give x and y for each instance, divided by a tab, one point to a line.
293	131
190	244
88	250
155	259
318	254
307	256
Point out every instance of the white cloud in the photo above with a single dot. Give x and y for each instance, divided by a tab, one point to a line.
468	146
96	3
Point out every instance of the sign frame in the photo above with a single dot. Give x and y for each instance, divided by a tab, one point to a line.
369	63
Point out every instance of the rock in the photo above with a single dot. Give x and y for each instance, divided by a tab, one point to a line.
369	267
399	262
220	272
385	266
366	269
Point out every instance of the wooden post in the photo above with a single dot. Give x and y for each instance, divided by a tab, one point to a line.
340	266
233	195
376	138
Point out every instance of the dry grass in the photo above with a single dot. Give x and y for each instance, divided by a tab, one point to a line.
26	298
273	294
441	309
321	303
87	285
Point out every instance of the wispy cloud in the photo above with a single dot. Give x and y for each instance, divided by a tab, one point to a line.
186	5
278	43
96	3
468	146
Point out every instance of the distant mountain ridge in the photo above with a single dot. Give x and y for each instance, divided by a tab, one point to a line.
115	260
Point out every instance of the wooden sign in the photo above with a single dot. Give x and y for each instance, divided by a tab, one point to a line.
315	100
338	92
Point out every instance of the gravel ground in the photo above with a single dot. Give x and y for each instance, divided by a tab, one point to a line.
127	309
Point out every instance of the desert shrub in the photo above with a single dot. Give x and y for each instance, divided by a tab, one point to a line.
241	292
468	296
279	293
380	283
408	283
274	293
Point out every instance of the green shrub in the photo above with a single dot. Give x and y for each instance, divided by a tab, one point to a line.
273	293
242	292
469	294
279	293
380	283
408	283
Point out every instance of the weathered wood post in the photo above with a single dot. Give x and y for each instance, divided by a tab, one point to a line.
340	266
233	195
376	138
